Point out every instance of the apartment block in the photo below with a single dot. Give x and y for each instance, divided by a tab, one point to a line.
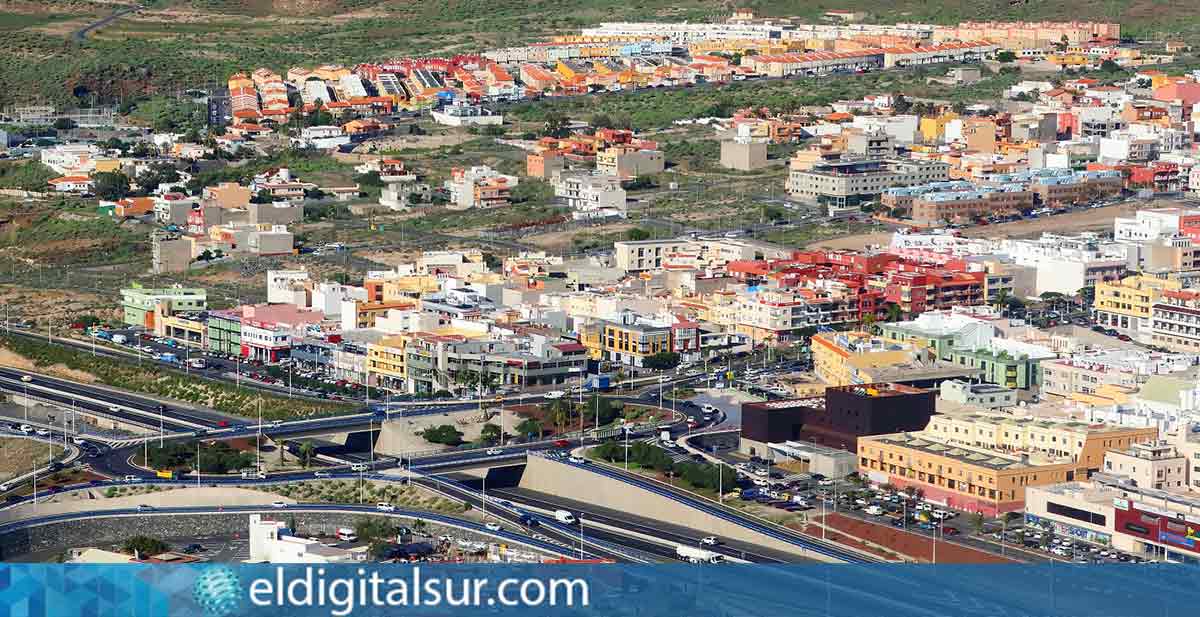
851	182
479	186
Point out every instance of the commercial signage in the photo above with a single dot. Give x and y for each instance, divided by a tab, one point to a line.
1155	525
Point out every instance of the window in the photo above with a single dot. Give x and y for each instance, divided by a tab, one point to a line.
1075	513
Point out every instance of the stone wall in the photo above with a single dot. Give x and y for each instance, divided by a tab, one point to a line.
105	531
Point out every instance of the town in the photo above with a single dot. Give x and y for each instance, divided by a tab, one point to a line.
746	290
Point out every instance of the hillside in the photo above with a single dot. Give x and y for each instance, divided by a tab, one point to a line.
177	44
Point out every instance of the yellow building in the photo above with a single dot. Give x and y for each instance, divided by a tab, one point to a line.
1126	304
385	360
364	314
397	289
849	358
984	463
631	344
934	127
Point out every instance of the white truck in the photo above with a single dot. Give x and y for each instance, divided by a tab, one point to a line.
564	516
696	554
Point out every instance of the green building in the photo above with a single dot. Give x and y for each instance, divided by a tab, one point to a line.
225	332
140	304
1012	370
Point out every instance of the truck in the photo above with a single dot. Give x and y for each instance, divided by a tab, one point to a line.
564	516
165	474
695	554
598	383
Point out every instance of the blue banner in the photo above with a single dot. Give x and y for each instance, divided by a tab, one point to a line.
220	590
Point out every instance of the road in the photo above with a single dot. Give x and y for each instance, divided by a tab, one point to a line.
80	35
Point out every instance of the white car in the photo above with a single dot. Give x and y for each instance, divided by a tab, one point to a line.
385	507
145	508
132	479
576	460
710	540
494	452
26	378
42	432
664	379
278	504
490	526
555	394
78	441
321	474
25	428
358	467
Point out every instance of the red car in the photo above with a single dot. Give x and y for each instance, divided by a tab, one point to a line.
561	443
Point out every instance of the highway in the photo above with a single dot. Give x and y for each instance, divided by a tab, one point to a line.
827	549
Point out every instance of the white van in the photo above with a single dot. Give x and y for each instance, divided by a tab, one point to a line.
346	534
565	517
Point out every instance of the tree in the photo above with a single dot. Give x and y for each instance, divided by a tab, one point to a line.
901	104
1002	301
637	233
868	322
662	361
444	434
530	426
976	522
894	312
1006	57
144	546
560	412
111	185
263	196
306	452
64	124
556	125
1108	66
489	433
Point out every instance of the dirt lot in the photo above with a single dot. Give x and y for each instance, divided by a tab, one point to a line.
1087	220
559	240
18	456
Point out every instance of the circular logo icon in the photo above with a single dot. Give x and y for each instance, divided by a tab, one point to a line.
218	591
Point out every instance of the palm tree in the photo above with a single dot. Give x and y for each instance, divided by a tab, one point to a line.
306	453
868	322
894	312
1002	301
560	413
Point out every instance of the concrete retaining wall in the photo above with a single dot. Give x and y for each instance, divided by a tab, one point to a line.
569	482
115	530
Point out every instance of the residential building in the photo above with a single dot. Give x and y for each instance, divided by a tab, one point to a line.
272	542
590	195
461	113
983	395
851	358
851	182
1175	321
1003	362
479	186
642	255
1085	373
743	154
1157	465
630	161
984	463
1127	305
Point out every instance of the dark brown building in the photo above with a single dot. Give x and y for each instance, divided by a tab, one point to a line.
846	413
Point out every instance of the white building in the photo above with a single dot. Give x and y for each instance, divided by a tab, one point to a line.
903	129
272	542
71	158
1127	146
286	287
460	113
323	137
328	297
591	195
351	87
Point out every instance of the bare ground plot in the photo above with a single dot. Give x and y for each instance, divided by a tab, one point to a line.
561	240
18	456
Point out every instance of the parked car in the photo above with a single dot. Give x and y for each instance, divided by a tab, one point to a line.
385	507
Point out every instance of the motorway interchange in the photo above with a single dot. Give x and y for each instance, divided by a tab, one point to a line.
610	538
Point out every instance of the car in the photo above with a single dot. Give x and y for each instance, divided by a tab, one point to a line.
26	378
491	526
132	478
825	482
385	507
193	548
358	467
950	531
561	443
1125	338
77	440
664	379
278	504
42	432
576	460
494	452
710	541
144	508
321	474
554	394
